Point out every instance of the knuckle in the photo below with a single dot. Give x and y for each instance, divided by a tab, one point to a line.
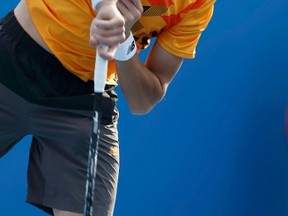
141	10
138	15
120	22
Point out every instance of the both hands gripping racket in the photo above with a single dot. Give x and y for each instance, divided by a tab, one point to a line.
100	74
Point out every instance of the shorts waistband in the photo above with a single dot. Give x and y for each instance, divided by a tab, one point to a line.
11	25
55	85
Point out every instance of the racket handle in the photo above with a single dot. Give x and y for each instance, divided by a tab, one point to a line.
100	72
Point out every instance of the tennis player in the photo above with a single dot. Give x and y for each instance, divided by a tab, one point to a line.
47	56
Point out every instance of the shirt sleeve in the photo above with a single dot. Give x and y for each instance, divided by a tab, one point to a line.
182	38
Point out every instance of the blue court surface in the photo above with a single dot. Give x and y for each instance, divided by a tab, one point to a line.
216	145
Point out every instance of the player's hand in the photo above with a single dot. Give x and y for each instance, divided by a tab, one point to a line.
131	10
107	28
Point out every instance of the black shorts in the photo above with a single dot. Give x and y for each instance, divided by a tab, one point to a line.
38	96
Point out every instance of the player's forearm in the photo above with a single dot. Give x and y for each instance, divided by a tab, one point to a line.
141	87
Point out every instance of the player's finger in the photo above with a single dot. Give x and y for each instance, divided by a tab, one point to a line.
138	5
107	53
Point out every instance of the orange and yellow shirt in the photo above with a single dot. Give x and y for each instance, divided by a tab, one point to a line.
65	25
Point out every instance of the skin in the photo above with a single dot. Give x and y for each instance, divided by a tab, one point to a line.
107	28
65	213
143	85
109	23
25	20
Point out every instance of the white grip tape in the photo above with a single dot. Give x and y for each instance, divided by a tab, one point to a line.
100	72
96	2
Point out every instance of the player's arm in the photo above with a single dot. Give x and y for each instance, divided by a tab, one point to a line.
144	85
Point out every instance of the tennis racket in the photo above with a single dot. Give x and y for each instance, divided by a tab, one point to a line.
100	74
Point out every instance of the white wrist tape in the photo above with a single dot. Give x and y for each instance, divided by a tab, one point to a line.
126	50
96	2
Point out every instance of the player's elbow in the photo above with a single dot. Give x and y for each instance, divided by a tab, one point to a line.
141	109
145	104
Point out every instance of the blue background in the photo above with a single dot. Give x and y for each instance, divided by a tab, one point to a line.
215	146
